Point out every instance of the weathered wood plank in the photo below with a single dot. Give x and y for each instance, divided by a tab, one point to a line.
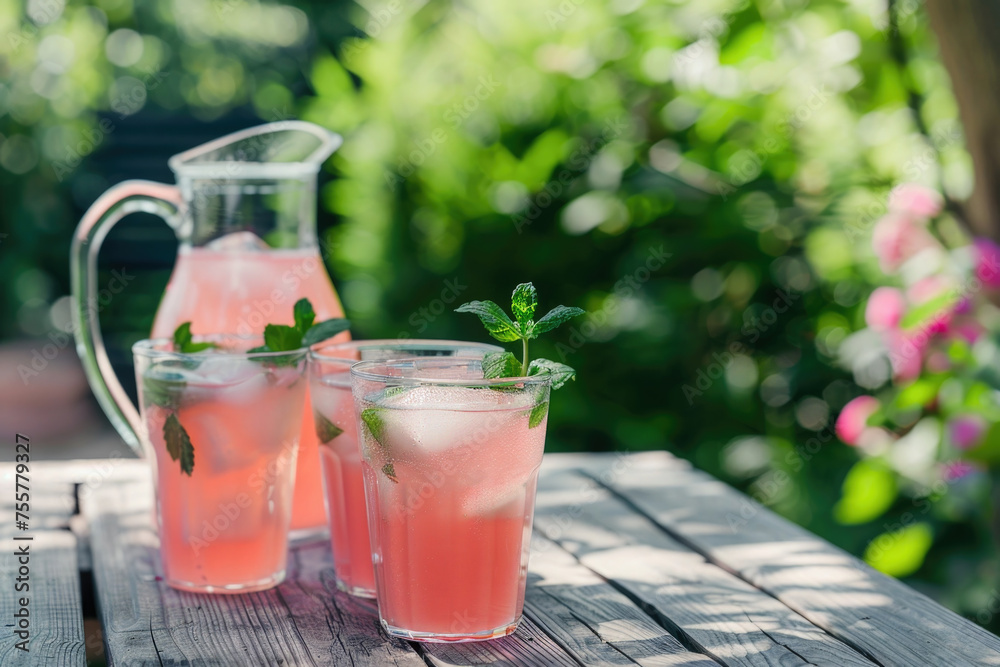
529	646
303	621
330	627
880	616
709	609
591	619
56	611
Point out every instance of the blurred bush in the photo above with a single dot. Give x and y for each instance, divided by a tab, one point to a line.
702	177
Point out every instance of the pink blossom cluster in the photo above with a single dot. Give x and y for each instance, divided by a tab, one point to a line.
901	236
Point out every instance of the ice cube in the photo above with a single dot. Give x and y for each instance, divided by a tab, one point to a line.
238	241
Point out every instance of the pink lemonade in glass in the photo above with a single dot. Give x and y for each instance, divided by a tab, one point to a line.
239	286
340	455
450	466
225	449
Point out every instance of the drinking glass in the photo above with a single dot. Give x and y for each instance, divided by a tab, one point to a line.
340	456
222	429
450	463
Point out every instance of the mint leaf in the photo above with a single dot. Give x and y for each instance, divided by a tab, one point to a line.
183	342
326	430
553	319
501	365
323	330
538	414
390	472
178	443
493	318
372	419
282	338
304	315
561	373
163	390
522	304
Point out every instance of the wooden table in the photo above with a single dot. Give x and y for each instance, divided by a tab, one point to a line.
636	559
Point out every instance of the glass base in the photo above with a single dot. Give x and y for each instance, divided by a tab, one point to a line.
302	536
356	591
229	589
439	638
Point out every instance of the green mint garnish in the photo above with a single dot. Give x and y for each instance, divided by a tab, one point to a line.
183	341
390	472
561	373
163	390
501	365
305	332
326	430
372	419
303	314
500	326
178	443
538	414
374	424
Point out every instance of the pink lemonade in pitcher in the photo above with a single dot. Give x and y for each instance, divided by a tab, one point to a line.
244	212
234	286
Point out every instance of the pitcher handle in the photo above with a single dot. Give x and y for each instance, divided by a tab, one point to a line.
121	200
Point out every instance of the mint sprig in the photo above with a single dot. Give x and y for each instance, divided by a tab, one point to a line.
183	341
178	443
326	430
524	328
305	332
166	389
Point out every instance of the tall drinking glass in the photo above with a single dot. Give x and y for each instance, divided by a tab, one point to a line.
450	464
340	456
222	429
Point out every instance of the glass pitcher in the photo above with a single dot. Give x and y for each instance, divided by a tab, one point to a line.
244	211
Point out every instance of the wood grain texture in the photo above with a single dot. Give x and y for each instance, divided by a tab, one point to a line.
56	610
595	622
305	621
883	618
708	609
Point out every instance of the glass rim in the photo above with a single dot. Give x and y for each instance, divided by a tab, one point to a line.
315	353
147	348
362	370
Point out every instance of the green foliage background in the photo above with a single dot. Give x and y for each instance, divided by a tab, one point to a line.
701	177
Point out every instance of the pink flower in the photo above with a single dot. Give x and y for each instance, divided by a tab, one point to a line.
938	362
853	419
965	431
956	470
915	200
970	331
897	237
885	309
906	353
987	262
